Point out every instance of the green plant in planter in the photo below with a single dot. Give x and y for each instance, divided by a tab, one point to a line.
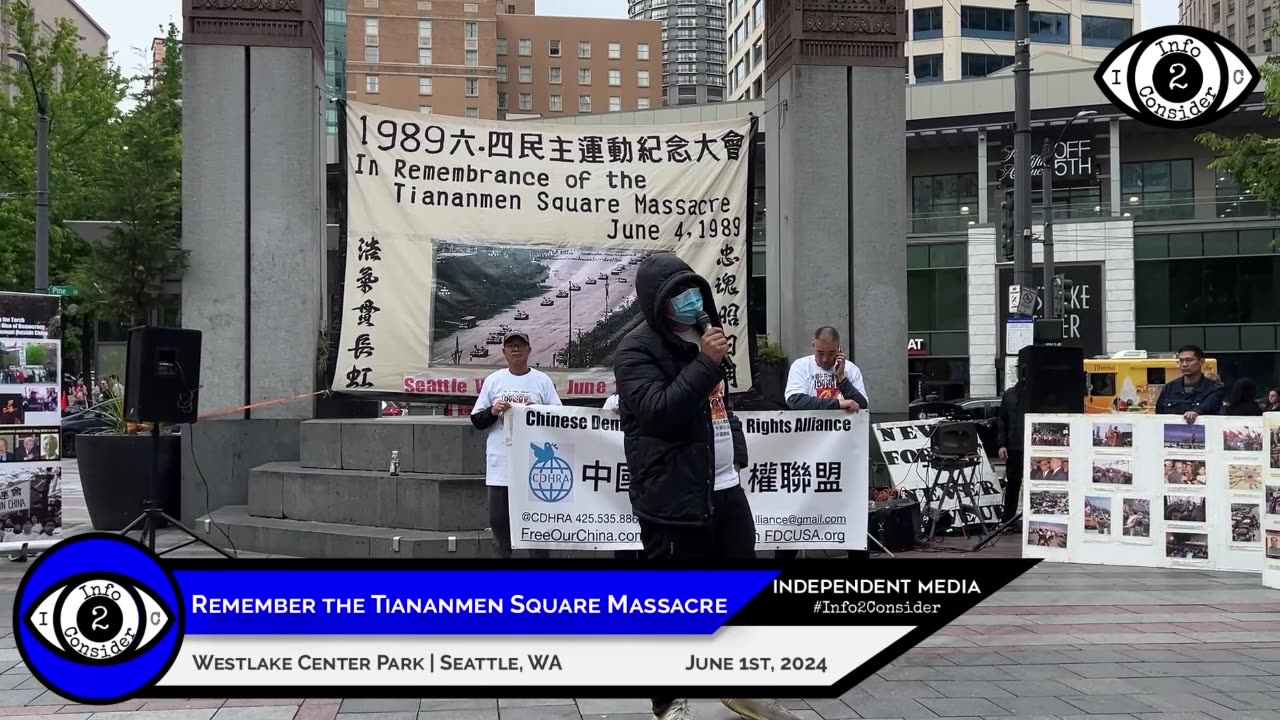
769	353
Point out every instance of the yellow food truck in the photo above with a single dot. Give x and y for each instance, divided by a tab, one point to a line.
1130	381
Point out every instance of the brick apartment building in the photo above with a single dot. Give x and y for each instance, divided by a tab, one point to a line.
487	59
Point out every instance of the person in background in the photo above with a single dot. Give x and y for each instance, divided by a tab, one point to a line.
1193	394
1242	401
1010	443
516	384
1273	400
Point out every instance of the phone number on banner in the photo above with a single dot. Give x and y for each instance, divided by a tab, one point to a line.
571	529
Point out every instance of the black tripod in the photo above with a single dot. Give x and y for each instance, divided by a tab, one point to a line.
961	471
991	537
153	516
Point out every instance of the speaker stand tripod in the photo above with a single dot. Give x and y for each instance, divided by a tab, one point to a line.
992	537
957	484
153	515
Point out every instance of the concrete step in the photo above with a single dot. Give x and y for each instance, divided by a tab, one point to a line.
409	501
427	444
302	538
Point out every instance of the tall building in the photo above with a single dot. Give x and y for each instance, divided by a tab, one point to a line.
92	37
951	40
693	48
488	58
1248	24
335	56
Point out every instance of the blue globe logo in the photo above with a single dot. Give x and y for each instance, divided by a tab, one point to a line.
550	478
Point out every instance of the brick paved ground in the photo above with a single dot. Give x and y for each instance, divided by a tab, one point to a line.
1067	642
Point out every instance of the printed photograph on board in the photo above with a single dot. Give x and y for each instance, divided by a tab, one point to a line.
1112	472
1049	502
1246	523
1046	534
30	504
1272	500
28	362
1181	436
11	409
1137	518
1112	435
1243	477
1275	448
1185	471
1051	434
30	444
1053	469
1186	546
1185	508
1273	544
576	304
1242	439
1097	516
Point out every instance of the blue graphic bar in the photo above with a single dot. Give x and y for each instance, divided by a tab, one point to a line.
464	602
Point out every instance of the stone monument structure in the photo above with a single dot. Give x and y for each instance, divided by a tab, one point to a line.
836	198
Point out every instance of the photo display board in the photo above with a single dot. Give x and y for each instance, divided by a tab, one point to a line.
1271	501
30	421
1146	490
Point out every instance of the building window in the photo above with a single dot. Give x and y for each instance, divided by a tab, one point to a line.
937	299
584	49
615	51
526	74
424	29
1104	31
470	7
502	46
976	65
1047	27
927	68
371	3
371	30
615	103
1233	200
502	101
371	54
526	101
471	30
424	5
371	84
424	109
553	75
642	78
555	103
584	103
615	78
988	23
642	103
584	76
642	51
553	48
1207	290
1250	25
472	58
424	86
502	73
473	113
471	87
926	23
424	56
525	47
943	203
1158	190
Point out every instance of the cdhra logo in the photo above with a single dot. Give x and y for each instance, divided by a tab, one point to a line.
550	476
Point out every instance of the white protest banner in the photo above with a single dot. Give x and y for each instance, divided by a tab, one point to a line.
14	498
807	480
904	448
462	231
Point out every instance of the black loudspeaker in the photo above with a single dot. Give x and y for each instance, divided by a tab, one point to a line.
894	524
1053	379
954	440
162	375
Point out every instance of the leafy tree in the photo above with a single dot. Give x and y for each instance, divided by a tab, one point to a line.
35	355
84	92
1254	159
123	278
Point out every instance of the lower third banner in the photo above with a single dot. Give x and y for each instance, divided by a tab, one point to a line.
807	479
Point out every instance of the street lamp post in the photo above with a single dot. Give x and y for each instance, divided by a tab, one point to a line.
1048	154
42	177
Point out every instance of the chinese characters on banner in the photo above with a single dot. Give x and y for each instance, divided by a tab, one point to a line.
807	482
30	421
462	231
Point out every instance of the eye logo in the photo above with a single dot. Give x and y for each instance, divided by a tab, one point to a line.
1177	77
99	619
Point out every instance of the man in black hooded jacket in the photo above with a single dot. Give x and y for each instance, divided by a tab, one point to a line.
684	447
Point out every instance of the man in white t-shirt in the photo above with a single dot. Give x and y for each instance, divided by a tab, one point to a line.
517	384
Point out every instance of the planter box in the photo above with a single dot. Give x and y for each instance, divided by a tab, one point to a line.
115	475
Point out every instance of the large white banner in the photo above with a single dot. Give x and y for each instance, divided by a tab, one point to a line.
807	480
1146	490
904	449
461	231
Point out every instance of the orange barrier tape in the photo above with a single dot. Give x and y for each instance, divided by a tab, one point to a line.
257	405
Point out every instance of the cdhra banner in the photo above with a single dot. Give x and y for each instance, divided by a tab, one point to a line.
461	231
807	480
30	421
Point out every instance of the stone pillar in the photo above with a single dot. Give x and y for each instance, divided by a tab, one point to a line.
836	158
254	198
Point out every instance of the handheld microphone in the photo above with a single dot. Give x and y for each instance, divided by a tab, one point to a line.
703	322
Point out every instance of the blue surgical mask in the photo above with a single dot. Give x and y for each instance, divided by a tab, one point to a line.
687	305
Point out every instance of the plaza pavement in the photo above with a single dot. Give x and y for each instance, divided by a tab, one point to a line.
1065	642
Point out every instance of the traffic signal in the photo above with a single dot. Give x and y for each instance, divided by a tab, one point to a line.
1008	240
1059	288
